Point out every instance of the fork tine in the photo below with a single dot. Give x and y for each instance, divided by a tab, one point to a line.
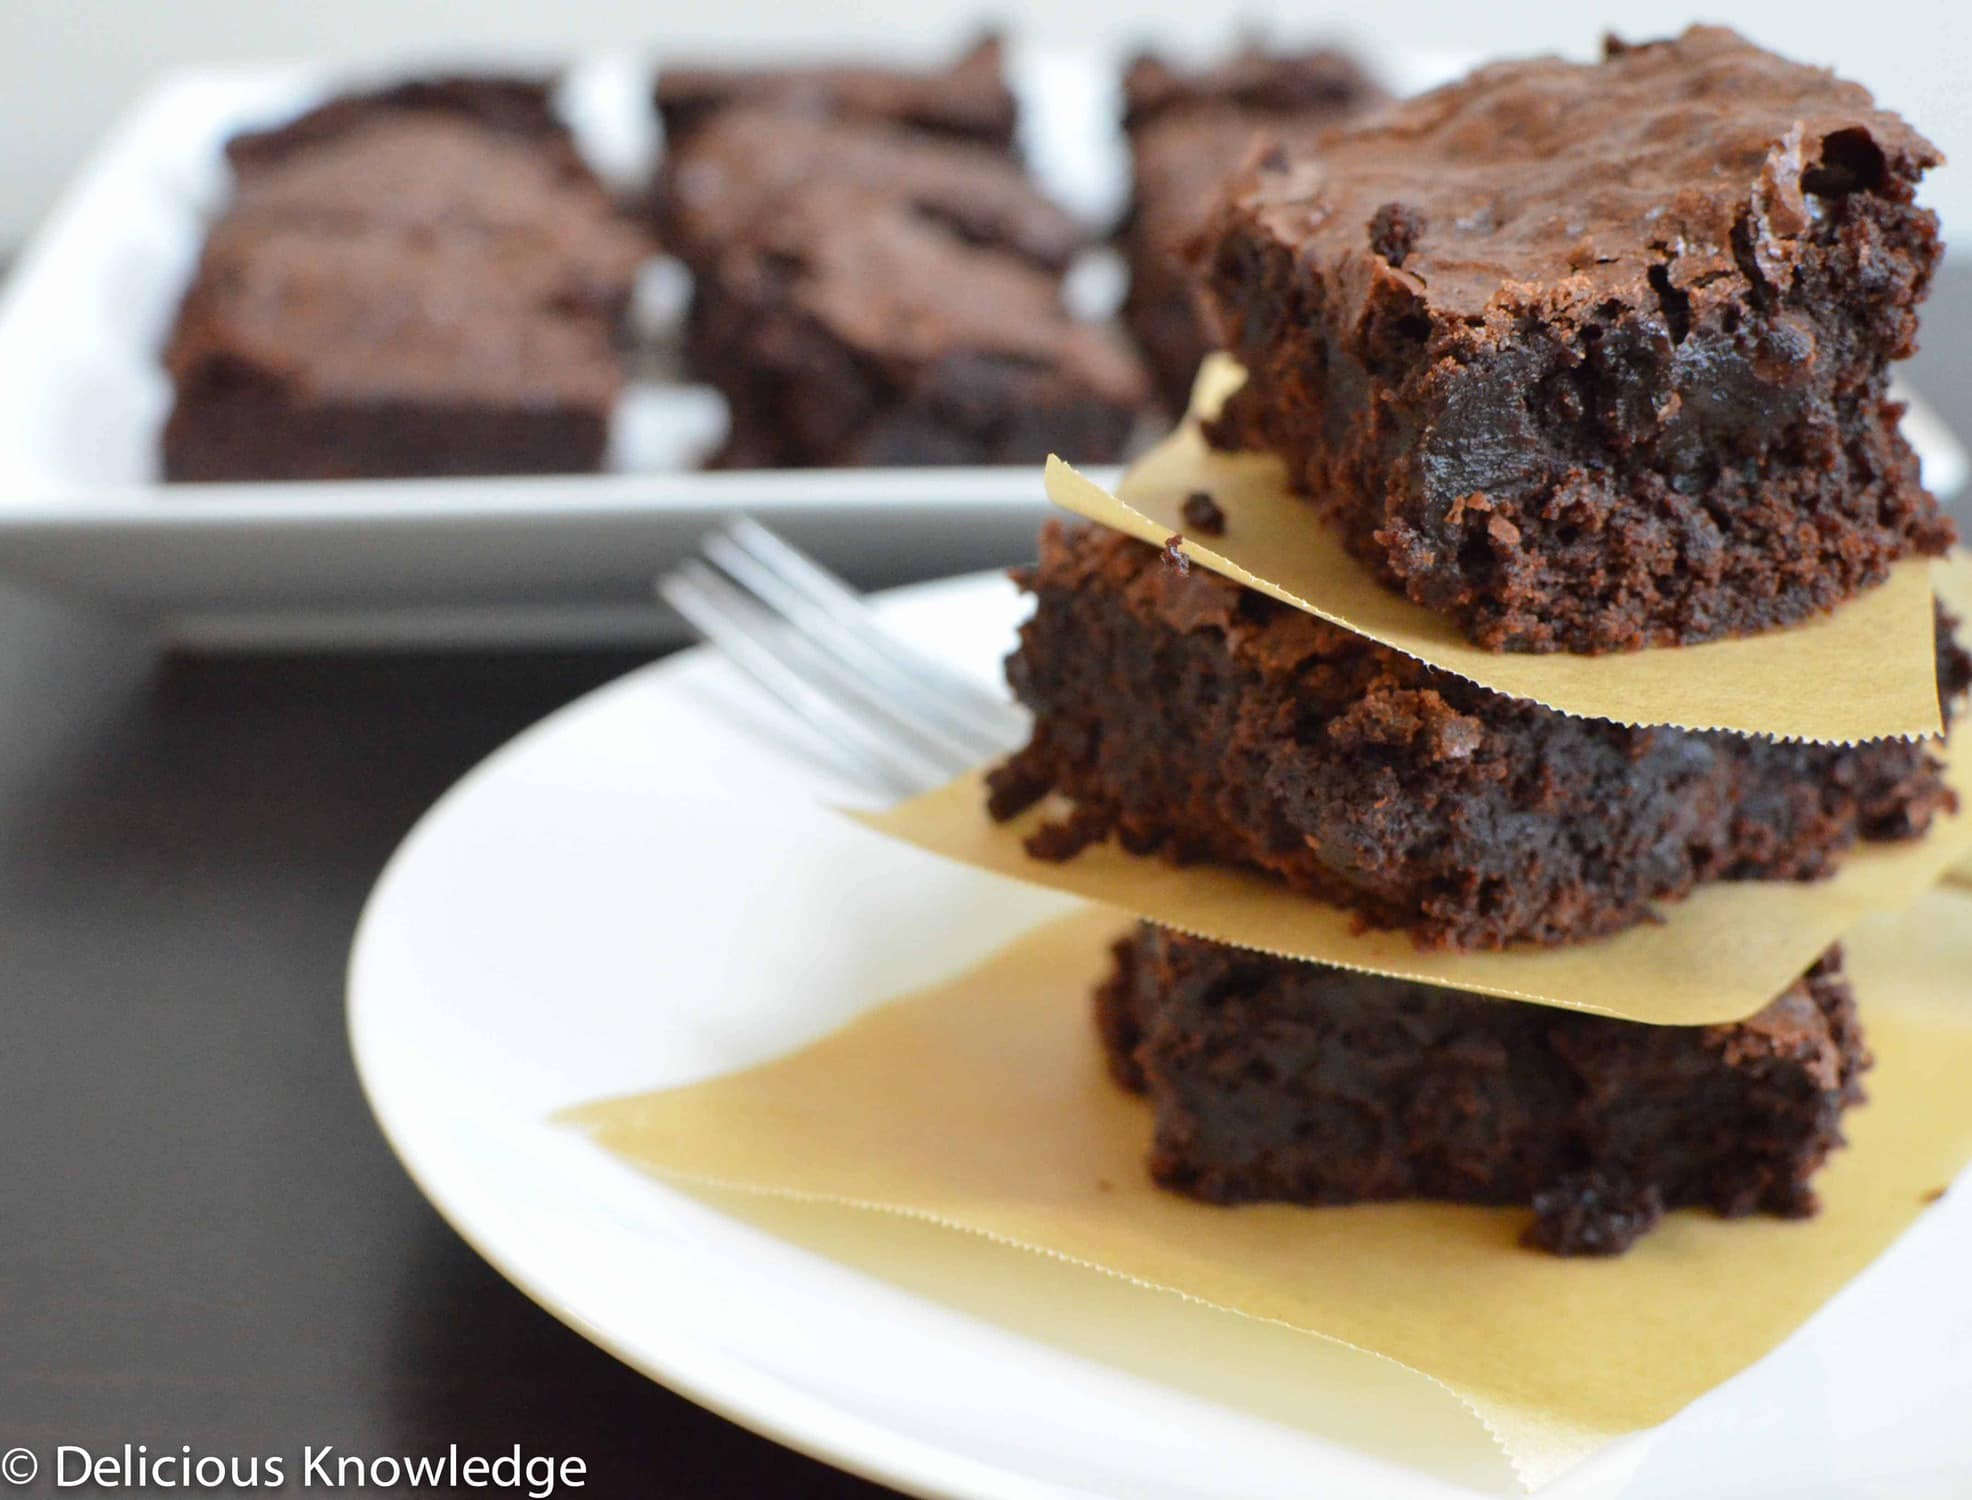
799	586
885	680
706	602
822	674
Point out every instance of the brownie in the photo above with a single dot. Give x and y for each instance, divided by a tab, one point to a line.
968	101
847	329
1190	718
304	355
742	165
440	176
422	280
1189	131
1293	1082
1594	357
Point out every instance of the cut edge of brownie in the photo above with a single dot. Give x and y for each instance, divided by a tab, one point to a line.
1357	776
1279	1081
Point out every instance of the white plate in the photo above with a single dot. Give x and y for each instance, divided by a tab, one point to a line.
642	891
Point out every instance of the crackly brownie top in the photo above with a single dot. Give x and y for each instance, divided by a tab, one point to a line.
1558	181
520	107
441	173
364	317
893	287
1255	81
969	99
745	162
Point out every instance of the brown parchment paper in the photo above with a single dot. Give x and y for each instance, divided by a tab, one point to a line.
1862	671
1719	955
982	1105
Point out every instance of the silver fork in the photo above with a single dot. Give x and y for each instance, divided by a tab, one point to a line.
899	718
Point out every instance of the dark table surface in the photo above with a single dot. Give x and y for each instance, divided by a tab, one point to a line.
203	1239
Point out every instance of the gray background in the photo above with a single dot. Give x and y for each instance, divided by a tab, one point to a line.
67	67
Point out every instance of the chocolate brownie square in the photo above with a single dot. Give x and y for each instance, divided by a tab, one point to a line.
848	330
1191	718
420	280
1595	357
1299	1083
968	101
303	355
1189	131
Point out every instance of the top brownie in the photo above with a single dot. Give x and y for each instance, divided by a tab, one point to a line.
1594	357
1189	132
969	100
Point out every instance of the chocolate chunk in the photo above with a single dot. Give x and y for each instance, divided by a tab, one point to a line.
1202	514
1394	231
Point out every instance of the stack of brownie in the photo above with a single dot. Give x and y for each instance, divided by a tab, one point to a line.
1584	358
1188	130
875	279
425	280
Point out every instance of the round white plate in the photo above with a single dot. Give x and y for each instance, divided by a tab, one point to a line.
644	890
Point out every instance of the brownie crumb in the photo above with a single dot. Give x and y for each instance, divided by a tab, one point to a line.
1202	514
1173	557
1059	841
1013	786
1394	231
1593	1213
1418	719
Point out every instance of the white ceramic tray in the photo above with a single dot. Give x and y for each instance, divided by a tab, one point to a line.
82	397
89	304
